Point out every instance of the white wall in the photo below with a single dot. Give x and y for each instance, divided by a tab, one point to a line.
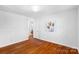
65	28
13	28
78	28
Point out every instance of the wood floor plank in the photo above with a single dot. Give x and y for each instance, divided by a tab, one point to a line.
37	46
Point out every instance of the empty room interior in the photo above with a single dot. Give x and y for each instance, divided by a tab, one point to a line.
39	29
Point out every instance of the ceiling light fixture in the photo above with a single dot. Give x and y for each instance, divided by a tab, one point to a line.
35	8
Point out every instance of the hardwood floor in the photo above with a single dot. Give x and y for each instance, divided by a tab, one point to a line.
37	46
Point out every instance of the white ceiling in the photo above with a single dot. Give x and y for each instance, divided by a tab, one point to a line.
27	9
